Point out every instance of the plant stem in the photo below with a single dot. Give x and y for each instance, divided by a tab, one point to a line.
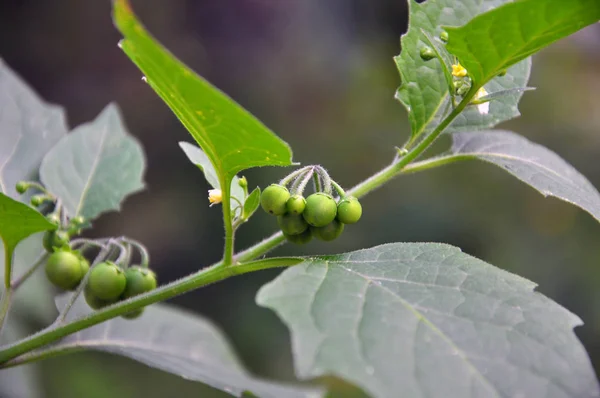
225	268
229	230
199	279
7	295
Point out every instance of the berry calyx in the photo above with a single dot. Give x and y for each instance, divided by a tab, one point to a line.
295	204
349	210
329	232
300	239
274	198
64	269
320	209
292	224
107	281
55	239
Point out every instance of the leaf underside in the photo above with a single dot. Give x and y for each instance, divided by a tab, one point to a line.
531	163
424	90
426	320
95	167
177	342
29	127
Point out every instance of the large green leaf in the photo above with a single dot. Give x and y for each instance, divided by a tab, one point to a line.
178	342
498	39
232	138
529	162
199	158
426	320
29	127
424	90
18	221
95	167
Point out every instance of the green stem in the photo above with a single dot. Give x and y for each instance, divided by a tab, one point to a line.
225	269
229	230
8	291
199	279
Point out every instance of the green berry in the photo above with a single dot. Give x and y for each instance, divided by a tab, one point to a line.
292	224
295	204
93	301
427	53
274	198
320	209
79	220
107	281
444	36
85	266
53	218
37	200
64	269
300	239
22	186
133	314
139	280
243	182
328	232
349	210
57	238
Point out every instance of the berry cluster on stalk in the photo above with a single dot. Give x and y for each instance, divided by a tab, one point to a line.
320	215
111	278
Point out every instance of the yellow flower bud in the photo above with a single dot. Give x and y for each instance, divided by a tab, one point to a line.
458	70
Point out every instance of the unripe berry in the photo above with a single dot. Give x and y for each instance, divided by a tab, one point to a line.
37	200
53	218
427	53
274	198
93	301
138	280
329	232
300	239
295	204
349	210
64	269
320	209
292	224
444	36
22	186
107	281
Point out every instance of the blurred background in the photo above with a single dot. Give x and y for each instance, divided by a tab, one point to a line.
321	75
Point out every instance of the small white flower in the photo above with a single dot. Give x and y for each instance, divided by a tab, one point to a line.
483	108
215	196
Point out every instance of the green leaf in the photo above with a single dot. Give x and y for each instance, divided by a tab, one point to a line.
230	136
18	221
531	163
177	342
21	381
426	320
252	203
95	167
498	39
199	158
424	90
29	127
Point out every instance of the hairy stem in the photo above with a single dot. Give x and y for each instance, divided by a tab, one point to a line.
7	295
229	230
226	268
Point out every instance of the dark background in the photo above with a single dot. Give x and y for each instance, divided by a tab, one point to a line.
321	75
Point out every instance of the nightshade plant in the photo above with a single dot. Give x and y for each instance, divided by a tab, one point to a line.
400	319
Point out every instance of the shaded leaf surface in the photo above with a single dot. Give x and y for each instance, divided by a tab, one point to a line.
199	158
95	167
178	342
424	90
531	163
29	127
496	40
230	136
426	320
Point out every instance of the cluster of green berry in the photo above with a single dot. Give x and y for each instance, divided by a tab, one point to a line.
67	268
318	215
